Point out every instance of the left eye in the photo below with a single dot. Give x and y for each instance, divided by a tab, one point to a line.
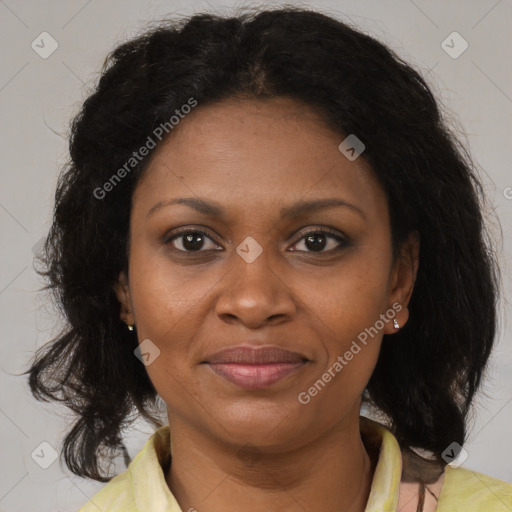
318	241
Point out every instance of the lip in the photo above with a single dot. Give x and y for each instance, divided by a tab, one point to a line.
255	367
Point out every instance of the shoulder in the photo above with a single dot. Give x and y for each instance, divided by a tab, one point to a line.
470	491
116	496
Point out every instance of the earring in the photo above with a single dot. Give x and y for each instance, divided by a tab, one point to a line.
130	327
395	324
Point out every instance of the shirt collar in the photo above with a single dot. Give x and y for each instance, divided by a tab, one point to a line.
148	470
386	478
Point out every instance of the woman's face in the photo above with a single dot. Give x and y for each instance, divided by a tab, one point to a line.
259	275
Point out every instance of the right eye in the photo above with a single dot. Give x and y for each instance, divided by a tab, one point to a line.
191	240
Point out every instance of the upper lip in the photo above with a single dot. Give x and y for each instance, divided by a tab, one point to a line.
246	354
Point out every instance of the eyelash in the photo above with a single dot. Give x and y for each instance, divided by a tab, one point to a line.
303	234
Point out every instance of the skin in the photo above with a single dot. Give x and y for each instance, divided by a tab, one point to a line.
256	450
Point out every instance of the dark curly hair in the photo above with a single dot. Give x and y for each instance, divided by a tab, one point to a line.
427	374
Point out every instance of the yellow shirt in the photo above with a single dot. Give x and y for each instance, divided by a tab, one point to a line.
142	487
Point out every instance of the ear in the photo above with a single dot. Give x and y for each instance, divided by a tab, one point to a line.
402	281
122	290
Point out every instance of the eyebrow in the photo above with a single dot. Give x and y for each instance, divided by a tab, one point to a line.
300	208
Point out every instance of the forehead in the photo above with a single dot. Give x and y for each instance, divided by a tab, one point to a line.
262	152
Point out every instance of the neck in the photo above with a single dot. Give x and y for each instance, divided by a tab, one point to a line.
329	474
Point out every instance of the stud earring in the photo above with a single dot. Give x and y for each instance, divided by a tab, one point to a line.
130	327
395	324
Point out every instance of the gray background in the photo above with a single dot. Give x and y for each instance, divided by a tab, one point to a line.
38	98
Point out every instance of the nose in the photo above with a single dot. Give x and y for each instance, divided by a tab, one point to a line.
255	294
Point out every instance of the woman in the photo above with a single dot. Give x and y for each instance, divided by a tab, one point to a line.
266	223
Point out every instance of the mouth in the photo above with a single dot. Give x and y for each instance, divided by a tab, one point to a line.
255	376
255	368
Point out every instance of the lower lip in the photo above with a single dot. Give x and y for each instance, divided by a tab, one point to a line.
255	376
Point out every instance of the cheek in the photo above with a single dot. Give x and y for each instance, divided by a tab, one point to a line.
162	293
352	296
350	332
170	305
347	309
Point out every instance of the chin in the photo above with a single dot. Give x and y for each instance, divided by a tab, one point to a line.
260	425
